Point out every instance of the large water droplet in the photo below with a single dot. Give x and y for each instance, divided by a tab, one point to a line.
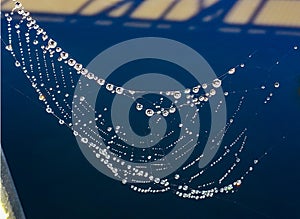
71	62
177	94
119	90
217	83
64	55
78	67
52	44
149	112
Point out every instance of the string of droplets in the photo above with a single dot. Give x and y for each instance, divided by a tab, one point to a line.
53	74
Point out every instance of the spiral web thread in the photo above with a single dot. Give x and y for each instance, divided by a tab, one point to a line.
54	76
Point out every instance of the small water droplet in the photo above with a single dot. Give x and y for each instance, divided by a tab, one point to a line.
17	64
9	47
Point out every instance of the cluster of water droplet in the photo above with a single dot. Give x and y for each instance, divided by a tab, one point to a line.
53	73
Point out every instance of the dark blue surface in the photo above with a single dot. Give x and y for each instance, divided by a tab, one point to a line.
55	181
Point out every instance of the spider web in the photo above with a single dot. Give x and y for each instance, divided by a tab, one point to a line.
54	74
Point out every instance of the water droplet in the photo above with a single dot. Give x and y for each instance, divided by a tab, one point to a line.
82	98
78	67
39	31
119	90
44	37
48	110
52	44
42	97
132	92
217	83
71	62
9	47
172	110
212	92
84	71
276	85
195	89
109	87
90	76
26	13
231	71
149	112
139	107
18	5
109	129
177	94
101	81
64	55
20	11
58	49
84	140
165	113
17	64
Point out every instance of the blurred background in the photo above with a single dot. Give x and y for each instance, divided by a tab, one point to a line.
53	179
